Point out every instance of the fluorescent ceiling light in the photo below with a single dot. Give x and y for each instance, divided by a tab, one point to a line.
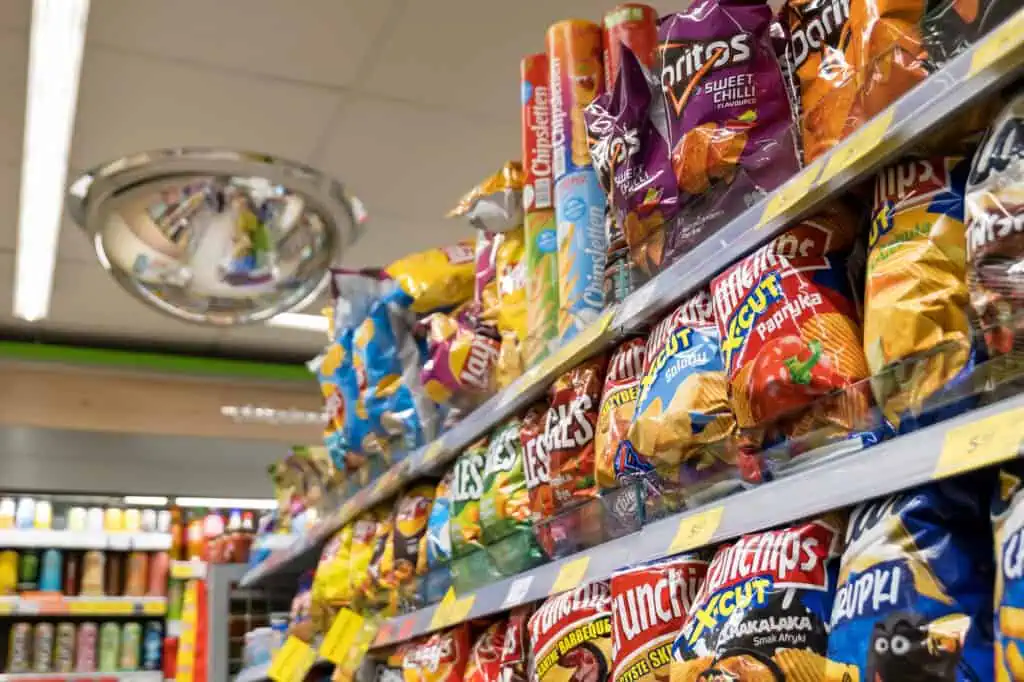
54	66
313	323
226	502
146	500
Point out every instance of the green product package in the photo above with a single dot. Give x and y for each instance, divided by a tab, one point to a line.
541	285
505	503
467	488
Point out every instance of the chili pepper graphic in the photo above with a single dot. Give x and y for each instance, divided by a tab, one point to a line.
789	374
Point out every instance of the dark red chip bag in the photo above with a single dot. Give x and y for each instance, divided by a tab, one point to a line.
484	663
569	431
536	463
570	636
441	657
514	652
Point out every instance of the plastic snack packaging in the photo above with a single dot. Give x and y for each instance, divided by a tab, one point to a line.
629	26
325	366
732	132
536	461
570	636
462	359
516	646
510	268
441	657
484	663
436	279
914	595
504	504
331	585
412	513
618	400
570	426
790	338
467	488
683	427
575	76
364	541
995	245
439	543
1008	527
762	612
496	204
379	590
916	303
649	606
541	239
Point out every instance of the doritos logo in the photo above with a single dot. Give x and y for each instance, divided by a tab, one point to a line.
685	64
821	25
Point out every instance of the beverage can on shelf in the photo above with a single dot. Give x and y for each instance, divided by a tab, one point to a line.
152	646
44	515
50	576
109	648
19	649
28	571
72	571
25	515
175	596
148	521
8	572
113	582
77	519
137	575
42	648
94	520
132	520
6	513
92	573
85	647
64	649
131	647
113	520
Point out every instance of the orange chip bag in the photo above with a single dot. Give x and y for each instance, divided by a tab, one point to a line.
441	657
621	385
791	341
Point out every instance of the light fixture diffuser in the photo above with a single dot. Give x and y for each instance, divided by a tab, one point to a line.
226	502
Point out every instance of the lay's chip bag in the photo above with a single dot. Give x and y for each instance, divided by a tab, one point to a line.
570	636
916	301
914	596
439	542
440	657
791	341
683	428
435	279
462	359
516	649
484	663
331	584
618	401
762	612
1008	530
467	488
504	504
364	542
380	589
412	512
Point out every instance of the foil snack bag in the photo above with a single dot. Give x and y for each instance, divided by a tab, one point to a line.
439	542
1008	529
570	636
731	129
791	342
435	279
505	503
484	663
618	401
412	513
915	299
440	657
462	358
467	488
516	647
536	461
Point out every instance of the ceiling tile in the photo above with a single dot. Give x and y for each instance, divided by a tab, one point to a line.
413	162
74	246
313	41
15	15
9	186
133	104
387	239
13	83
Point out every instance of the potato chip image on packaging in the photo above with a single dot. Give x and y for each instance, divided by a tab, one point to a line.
1008	529
467	488
914	596
683	427
915	300
505	503
412	512
762	612
441	657
569	431
484	663
536	462
618	400
570	636
791	342
649	606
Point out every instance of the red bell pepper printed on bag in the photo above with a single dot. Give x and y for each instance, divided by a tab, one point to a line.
791	341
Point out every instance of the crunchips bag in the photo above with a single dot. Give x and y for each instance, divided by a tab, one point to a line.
914	595
570	636
536	462
569	431
649	606
467	488
683	426
762	612
790	339
435	279
484	663
516	647
504	504
441	657
618	401
412	512
1008	528
438	535
915	307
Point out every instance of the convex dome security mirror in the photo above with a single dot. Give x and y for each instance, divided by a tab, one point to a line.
216	237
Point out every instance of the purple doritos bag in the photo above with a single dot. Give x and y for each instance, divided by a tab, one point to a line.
732	133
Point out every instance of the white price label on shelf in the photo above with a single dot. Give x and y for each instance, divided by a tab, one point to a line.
517	591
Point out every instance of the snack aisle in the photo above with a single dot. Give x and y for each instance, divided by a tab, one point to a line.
859	440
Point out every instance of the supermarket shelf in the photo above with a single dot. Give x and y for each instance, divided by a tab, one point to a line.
904	462
44	604
977	72
66	539
185	570
141	676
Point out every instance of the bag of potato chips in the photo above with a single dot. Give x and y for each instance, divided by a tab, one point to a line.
504	504
536	463
570	636
331	586
618	400
441	657
484	663
467	488
515	651
364	541
381	585
496	204
917	335
762	612
1008	528
683	427
439	542
412	511
462	359
791	343
435	279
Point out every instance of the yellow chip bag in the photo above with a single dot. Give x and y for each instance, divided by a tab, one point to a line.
364	540
511	277
917	336
496	204
331	586
435	279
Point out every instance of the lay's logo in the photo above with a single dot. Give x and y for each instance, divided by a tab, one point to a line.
751	307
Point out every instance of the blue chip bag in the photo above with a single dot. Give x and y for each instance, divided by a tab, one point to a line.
914	599
762	611
439	541
1008	528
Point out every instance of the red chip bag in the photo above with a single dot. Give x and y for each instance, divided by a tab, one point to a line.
485	658
516	645
649	606
621	386
570	636
536	463
441	657
569	431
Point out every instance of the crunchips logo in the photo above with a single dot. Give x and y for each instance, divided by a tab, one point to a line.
753	305
648	604
911	178
590	597
821	25
883	588
431	654
626	364
685	64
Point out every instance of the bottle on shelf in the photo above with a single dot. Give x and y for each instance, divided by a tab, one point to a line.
93	573
194	543
159	565
72	572
176	527
50	577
